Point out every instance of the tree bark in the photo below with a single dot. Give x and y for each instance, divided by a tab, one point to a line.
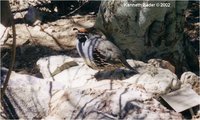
5	14
149	32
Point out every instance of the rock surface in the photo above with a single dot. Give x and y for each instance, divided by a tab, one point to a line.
157	30
154	79
76	91
3	34
50	66
58	35
125	101
189	78
162	63
85	93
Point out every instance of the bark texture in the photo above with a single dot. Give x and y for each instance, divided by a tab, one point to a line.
5	13
149	32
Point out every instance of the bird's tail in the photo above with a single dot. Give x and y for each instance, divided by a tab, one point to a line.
125	63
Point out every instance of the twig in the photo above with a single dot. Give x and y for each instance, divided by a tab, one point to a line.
55	39
105	114
31	37
72	12
12	54
4	55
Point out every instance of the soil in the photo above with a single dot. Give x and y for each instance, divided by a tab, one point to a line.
54	36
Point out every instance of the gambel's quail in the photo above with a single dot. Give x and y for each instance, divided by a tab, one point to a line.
98	52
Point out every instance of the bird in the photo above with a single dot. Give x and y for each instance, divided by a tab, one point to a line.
98	52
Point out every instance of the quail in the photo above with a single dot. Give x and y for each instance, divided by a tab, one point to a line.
98	52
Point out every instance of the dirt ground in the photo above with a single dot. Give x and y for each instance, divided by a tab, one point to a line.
54	35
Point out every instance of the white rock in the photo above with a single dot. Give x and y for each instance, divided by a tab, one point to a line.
2	30
76	76
3	34
29	95
86	97
162	63
189	77
50	66
153	79
156	80
94	102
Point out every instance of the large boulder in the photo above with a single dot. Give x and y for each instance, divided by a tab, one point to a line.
124	101
149	32
78	91
153	78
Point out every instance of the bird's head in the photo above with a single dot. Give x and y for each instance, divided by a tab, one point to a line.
82	34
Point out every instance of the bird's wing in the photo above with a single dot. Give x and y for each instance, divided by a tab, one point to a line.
113	54
108	51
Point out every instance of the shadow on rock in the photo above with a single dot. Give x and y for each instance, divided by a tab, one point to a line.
119	74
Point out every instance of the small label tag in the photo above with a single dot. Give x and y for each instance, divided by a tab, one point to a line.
182	99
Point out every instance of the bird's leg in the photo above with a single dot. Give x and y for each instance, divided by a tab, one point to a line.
119	74
111	83
99	75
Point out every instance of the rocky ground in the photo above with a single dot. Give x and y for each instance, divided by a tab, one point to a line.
51	34
55	35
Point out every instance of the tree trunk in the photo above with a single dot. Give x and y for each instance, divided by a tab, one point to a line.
5	13
149	32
